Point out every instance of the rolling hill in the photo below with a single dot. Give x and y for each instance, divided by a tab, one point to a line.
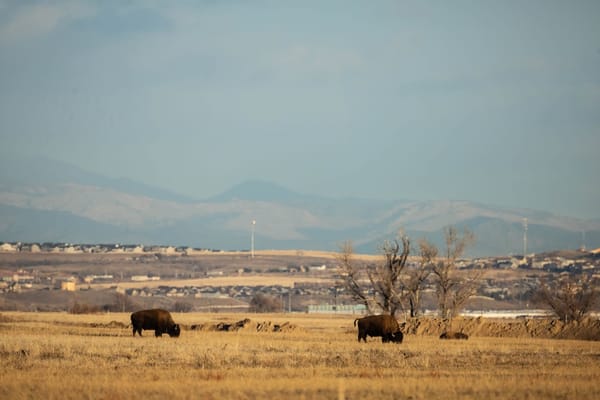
62	203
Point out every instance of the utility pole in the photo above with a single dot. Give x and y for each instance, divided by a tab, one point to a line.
524	238
252	238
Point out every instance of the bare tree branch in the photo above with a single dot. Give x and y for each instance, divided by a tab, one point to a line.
389	285
351	274
416	276
570	298
383	278
452	290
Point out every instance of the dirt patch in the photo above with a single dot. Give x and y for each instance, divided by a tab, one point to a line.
588	329
111	324
247	325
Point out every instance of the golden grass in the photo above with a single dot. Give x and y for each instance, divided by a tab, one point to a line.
93	356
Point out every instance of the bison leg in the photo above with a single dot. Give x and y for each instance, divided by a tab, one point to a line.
139	331
362	336
157	333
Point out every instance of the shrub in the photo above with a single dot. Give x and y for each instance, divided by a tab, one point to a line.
262	303
79	308
182	306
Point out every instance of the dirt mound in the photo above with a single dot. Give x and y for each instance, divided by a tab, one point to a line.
588	329
267	326
246	324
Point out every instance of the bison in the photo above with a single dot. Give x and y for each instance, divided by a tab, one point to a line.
454	335
385	326
158	320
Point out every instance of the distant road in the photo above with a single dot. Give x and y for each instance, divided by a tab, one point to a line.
249	280
303	253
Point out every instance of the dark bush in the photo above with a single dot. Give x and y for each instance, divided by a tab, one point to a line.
262	303
182	306
79	308
122	303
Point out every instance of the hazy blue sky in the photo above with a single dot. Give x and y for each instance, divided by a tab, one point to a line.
490	101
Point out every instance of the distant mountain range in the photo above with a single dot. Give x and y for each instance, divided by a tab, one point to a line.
42	200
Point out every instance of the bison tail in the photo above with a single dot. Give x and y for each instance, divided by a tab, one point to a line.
355	321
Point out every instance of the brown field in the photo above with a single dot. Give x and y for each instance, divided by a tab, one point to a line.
309	253
250	280
55	355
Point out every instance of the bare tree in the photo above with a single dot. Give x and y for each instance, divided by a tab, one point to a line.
183	306
122	303
262	303
569	298
417	274
377	286
80	308
453	289
352	276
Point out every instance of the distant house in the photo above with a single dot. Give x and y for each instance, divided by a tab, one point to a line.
68	286
144	278
169	250
22	278
72	249
135	249
8	248
189	251
336	309
93	278
117	249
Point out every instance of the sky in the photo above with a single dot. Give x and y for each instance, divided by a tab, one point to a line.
496	102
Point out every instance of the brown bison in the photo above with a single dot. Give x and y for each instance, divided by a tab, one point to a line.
385	326
158	320
454	335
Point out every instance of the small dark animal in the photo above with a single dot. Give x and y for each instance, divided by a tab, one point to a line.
158	320
385	326
454	335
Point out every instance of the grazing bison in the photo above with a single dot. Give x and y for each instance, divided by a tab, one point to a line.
385	326
454	335
158	320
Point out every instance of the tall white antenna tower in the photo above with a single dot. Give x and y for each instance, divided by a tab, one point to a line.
252	238
524	238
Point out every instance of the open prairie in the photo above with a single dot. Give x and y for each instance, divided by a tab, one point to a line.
57	355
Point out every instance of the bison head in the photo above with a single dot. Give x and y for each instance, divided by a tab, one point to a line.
397	337
174	331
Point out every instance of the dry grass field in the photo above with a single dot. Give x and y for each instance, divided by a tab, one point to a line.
55	355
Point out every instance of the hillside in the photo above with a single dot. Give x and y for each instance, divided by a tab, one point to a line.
66	204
